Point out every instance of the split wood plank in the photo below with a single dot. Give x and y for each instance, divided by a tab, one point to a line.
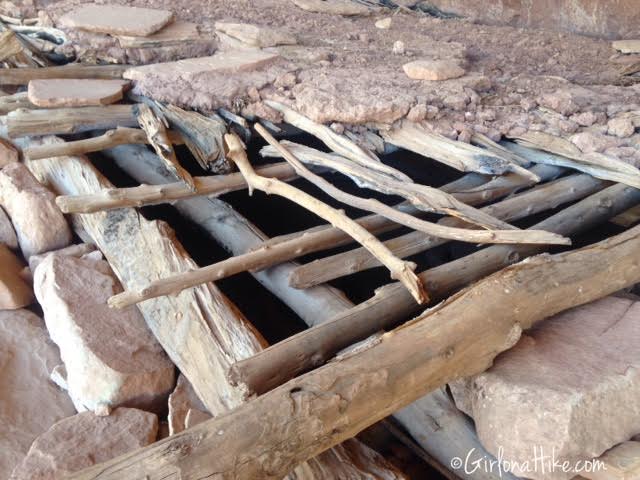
389	305
70	120
459	155
155	127
22	76
544	197
460	337
202	331
450	434
169	192
111	138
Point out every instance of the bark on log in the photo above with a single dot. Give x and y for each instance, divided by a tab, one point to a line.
312	347
544	197
153	194
202	331
266	437
434	421
22	76
70	120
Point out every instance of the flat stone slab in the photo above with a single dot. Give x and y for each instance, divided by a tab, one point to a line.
256	35
117	19
176	33
570	388
435	70
222	62
30	403
185	408
334	7
84	440
51	93
15	292
627	46
38	222
111	357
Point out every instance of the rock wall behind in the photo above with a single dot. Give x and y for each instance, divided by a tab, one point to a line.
598	18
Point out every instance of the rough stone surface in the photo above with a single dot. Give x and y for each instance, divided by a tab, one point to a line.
8	153
84	440
621	127
51	93
184	407
117	20
110	356
7	233
433	69
622	462
255	35
37	220
15	292
77	250
570	386
29	402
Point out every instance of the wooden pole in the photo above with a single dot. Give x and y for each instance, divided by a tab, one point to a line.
111	198
312	347
70	120
538	199
268	436
22	76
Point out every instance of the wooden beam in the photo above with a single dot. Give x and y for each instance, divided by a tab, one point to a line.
541	198
312	347
268	436
22	76
70	120
202	331
111	198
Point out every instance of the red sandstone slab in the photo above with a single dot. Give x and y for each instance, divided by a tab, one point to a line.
117	19
51	93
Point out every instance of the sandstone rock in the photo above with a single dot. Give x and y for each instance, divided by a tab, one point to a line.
384	23
182	401
77	250
627	46
7	233
569	387
335	7
433	69
589	142
37	220
8	153
174	34
117	19
29	402
15	292
222	62
622	462
621	127
255	35
110	356
57	92
398	47
84	440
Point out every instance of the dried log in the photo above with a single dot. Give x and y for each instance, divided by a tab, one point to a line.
450	434
312	347
202	331
458	155
153	194
553	150
338	143
372	205
399	270
544	197
22	76
155	127
111	138
70	120
266	437
9	103
203	136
